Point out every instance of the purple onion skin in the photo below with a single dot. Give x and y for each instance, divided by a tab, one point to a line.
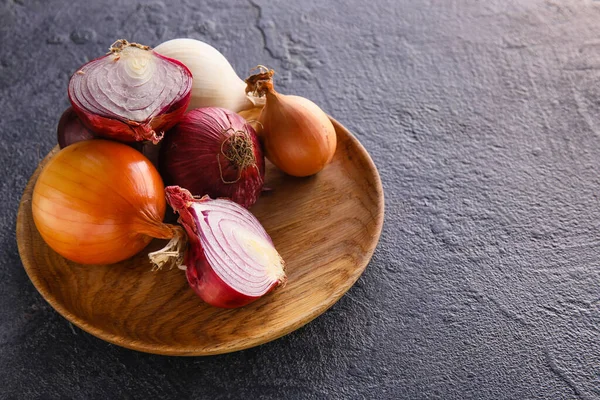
194	156
200	275
70	129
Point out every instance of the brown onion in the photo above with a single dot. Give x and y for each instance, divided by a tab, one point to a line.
100	202
298	136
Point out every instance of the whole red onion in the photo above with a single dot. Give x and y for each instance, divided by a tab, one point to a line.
131	94
70	129
231	260
214	152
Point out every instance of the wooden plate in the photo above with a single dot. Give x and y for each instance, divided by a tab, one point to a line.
325	227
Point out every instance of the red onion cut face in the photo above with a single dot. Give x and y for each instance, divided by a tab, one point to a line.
231	260
131	94
213	151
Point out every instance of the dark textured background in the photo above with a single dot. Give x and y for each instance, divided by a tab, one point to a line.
483	118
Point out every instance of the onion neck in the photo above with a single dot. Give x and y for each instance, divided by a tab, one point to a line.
262	83
272	96
160	230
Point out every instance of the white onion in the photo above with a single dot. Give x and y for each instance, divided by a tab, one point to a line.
215	83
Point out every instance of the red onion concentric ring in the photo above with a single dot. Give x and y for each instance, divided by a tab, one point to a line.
131	94
231	260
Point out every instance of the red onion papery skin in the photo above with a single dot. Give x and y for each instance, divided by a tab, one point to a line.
70	129
213	151
201	275
105	114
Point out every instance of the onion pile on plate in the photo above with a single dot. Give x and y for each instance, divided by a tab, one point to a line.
143	117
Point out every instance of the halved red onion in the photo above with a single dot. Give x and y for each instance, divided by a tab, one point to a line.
131	94
231	260
213	151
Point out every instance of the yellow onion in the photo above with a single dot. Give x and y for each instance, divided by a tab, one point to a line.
100	202
298	136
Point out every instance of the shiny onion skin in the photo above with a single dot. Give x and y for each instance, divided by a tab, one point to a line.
214	152
99	202
131	94
298	136
231	260
71	130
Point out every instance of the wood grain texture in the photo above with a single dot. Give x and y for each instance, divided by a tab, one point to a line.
326	227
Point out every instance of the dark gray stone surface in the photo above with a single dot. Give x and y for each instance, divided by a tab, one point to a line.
483	118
